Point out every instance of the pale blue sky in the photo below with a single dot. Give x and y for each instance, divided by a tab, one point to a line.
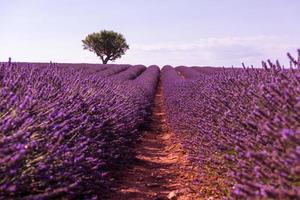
176	32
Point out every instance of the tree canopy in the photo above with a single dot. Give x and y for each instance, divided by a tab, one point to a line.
108	45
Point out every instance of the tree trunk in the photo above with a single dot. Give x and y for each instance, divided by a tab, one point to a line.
106	60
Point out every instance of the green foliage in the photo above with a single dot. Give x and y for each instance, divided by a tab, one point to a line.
108	45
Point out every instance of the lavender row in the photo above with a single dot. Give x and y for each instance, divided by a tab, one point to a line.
130	73
112	70
63	132
240	127
187	72
147	82
148	79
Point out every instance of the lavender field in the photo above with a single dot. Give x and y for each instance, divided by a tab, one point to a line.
70	131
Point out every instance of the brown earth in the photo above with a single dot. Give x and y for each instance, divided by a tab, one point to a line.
162	170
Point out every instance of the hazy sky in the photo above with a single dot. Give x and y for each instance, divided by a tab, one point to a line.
176	32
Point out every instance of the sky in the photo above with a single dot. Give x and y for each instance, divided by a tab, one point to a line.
161	32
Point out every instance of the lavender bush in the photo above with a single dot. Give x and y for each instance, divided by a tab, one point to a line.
64	131
241	127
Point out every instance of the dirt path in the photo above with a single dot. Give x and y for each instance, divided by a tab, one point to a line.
159	172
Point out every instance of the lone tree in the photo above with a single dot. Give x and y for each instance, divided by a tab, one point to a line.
108	45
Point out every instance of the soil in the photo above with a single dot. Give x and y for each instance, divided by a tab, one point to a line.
161	170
